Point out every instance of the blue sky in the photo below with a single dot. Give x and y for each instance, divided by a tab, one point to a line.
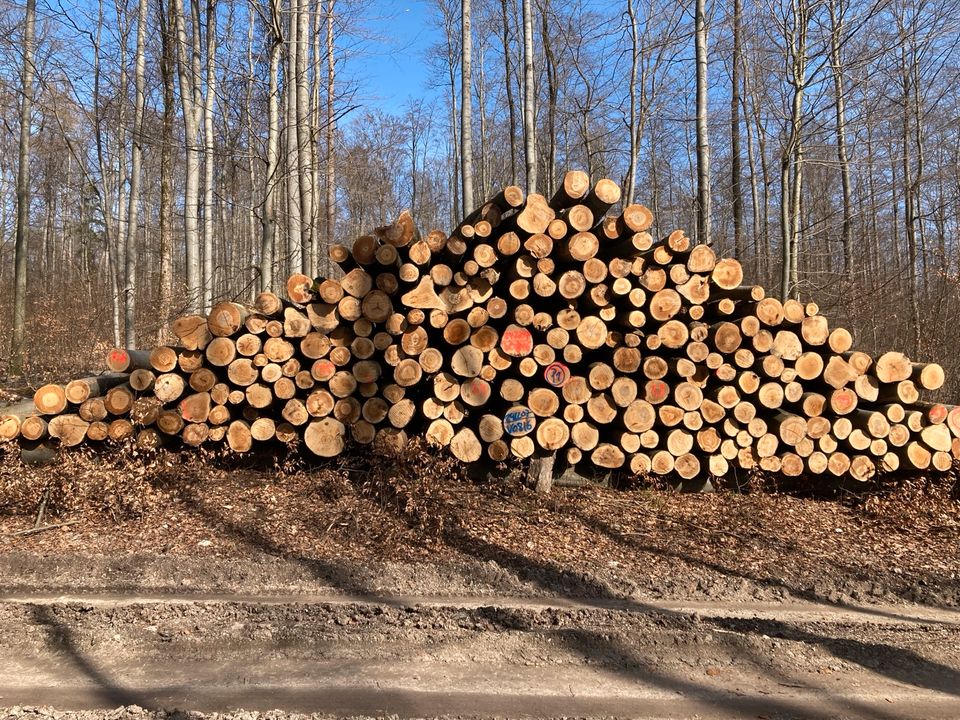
392	66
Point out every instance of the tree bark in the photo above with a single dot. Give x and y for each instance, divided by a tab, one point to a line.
136	159
703	138
166	15
331	210
529	99
291	149
508	84
466	108
23	191
735	172
188	73
304	135
268	240
209	160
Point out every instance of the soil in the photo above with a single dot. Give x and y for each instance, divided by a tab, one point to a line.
415	593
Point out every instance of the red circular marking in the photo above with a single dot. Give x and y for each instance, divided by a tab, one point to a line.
657	391
938	413
517	341
844	399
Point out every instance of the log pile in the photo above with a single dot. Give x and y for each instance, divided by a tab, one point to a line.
537	326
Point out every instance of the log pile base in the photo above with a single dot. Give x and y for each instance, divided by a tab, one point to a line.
559	331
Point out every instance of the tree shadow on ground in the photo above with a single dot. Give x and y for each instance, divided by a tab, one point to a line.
886	660
61	640
634	542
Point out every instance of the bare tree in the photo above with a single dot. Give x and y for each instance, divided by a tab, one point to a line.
23	191
268	214
188	71
209	159
796	27
304	135
736	181
292	148
331	128
136	161
166	18
703	136
466	108
837	9
508	86
529	100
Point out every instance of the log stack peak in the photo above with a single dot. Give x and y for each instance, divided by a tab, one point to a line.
539	325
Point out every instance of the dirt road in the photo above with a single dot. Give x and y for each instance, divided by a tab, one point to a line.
212	590
478	654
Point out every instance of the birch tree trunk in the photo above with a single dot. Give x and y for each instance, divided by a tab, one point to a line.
703	139
304	133
271	178
466	108
316	180
209	160
292	150
529	97
136	160
736	183
331	216
251	144
188	72
631	177
791	165
23	192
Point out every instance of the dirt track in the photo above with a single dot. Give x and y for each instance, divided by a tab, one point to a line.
186	586
479	654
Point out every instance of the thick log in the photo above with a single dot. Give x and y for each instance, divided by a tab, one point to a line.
121	360
69	429
893	367
192	331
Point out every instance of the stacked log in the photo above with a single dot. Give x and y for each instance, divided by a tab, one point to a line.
538	326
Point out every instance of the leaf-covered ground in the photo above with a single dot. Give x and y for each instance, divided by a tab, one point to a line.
891	545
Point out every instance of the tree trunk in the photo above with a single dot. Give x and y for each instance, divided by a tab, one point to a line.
529	100
508	84
703	139
631	175
331	215
271	178
209	160
466	108
735	172
304	135
291	149
136	158
188	74
166	17
552	90
23	192
837	10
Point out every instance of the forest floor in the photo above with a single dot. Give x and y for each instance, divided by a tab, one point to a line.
346	591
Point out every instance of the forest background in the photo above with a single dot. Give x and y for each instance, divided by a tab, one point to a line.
159	155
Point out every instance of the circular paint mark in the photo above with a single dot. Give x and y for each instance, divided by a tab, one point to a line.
323	370
517	341
556	374
519	421
656	391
